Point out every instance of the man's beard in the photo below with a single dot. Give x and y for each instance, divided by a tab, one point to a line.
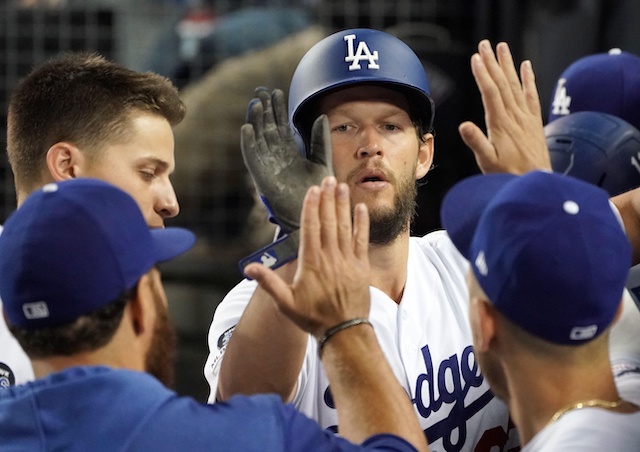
160	359
388	223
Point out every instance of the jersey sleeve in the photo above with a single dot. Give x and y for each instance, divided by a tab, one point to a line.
304	434
440	243
624	350
225	319
255	423
15	366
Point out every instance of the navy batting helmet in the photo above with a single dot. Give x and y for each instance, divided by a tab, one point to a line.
355	57
596	147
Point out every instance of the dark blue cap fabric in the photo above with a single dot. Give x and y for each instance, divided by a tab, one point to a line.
605	82
547	249
75	246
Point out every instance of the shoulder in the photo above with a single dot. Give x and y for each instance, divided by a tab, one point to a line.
589	429
437	248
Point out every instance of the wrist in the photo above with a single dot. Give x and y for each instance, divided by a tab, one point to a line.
340	327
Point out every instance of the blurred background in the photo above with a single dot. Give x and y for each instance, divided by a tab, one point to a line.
218	51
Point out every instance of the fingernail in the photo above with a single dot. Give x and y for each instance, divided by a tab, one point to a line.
330	182
343	190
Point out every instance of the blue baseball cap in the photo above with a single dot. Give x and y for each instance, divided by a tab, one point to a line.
547	249
75	246
605	82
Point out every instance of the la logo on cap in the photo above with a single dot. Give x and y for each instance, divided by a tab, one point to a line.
561	101
361	53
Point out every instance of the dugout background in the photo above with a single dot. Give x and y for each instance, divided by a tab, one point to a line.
205	46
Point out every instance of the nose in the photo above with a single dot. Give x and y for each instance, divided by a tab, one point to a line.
167	204
369	144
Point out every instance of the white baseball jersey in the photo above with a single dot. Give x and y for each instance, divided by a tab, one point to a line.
589	429
624	350
427	341
15	366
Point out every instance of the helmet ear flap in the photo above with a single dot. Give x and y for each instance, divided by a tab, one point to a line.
596	147
355	57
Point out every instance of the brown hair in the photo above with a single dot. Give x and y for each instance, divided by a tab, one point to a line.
84	99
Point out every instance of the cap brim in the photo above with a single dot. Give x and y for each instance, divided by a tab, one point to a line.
171	242
465	203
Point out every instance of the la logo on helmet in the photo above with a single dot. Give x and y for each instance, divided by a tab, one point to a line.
360	54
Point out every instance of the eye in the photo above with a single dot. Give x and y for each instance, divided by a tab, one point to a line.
391	127
148	175
341	128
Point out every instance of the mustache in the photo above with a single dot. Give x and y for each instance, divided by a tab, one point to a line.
354	175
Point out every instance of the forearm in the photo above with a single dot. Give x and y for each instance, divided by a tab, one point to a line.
265	352
368	397
628	205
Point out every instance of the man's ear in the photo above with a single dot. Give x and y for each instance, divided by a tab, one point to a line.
143	311
486	324
63	161
425	156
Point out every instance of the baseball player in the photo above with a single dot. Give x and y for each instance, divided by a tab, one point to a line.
84	296
90	128
593	135
607	82
549	261
373	92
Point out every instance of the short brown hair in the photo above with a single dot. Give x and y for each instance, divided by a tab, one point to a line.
85	334
84	99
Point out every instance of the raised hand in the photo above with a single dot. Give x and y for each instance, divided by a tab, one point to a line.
331	284
280	173
515	141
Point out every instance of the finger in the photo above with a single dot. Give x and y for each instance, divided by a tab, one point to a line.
343	209
254	115
504	95
279	108
328	232
505	59
310	242
361	232
491	98
273	284
532	98
320	144
482	148
248	147
270	128
282	120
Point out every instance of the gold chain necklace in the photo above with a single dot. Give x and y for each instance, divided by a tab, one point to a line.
585	404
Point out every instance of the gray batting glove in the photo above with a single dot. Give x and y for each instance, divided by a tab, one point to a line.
280	173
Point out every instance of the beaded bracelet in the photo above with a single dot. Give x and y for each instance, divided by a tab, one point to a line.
339	327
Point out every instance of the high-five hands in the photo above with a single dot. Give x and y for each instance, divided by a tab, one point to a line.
331	284
515	140
280	173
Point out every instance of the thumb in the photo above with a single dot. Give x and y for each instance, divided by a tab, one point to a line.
476	140
320	143
273	284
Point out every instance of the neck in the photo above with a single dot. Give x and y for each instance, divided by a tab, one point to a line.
389	266
533	401
121	352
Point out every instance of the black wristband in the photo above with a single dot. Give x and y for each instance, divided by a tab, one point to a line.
339	327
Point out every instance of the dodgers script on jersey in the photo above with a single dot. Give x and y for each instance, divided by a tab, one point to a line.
427	341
